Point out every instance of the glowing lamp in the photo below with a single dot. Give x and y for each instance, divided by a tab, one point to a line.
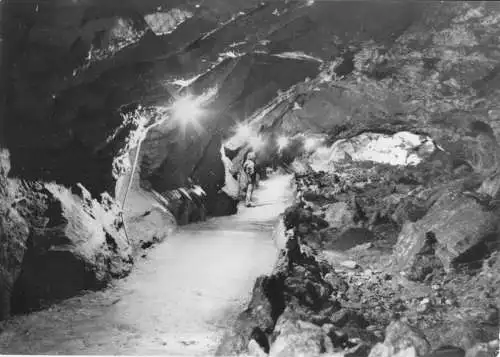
187	109
282	142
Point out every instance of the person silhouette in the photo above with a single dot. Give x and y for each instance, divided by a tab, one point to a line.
250	171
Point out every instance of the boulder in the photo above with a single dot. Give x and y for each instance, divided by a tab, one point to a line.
425	267
425	264
401	336
257	320
255	350
148	219
380	350
75	243
339	215
299	338
307	286
401	340
295	215
459	224
409	209
463	332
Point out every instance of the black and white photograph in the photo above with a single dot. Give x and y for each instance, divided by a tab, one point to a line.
254	178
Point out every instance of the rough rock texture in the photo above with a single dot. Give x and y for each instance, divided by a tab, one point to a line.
299	338
148	219
441	84
303	316
55	243
483	350
14	232
458	223
402	148
84	79
400	336
75	243
257	321
341	293
79	66
338	215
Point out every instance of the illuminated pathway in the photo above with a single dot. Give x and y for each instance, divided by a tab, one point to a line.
177	301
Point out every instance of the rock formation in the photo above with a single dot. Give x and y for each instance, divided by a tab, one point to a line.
93	159
380	284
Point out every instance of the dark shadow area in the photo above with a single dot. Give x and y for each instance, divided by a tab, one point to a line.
49	278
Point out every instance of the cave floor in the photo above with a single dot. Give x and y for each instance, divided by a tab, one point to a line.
177	301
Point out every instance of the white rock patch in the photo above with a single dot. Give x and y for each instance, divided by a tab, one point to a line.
163	23
298	56
403	148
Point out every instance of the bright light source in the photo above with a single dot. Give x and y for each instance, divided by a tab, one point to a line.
310	143
282	142
187	109
243	131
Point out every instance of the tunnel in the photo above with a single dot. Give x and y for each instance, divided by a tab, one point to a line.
249	178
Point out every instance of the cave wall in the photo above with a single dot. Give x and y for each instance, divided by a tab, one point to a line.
440	83
73	67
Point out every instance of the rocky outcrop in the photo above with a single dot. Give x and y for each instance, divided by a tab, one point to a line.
483	349
338	215
258	320
113	58
402	148
300	338
110	60
14	232
401	340
339	292
420	83
460	226
75	243
301	308
56	243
